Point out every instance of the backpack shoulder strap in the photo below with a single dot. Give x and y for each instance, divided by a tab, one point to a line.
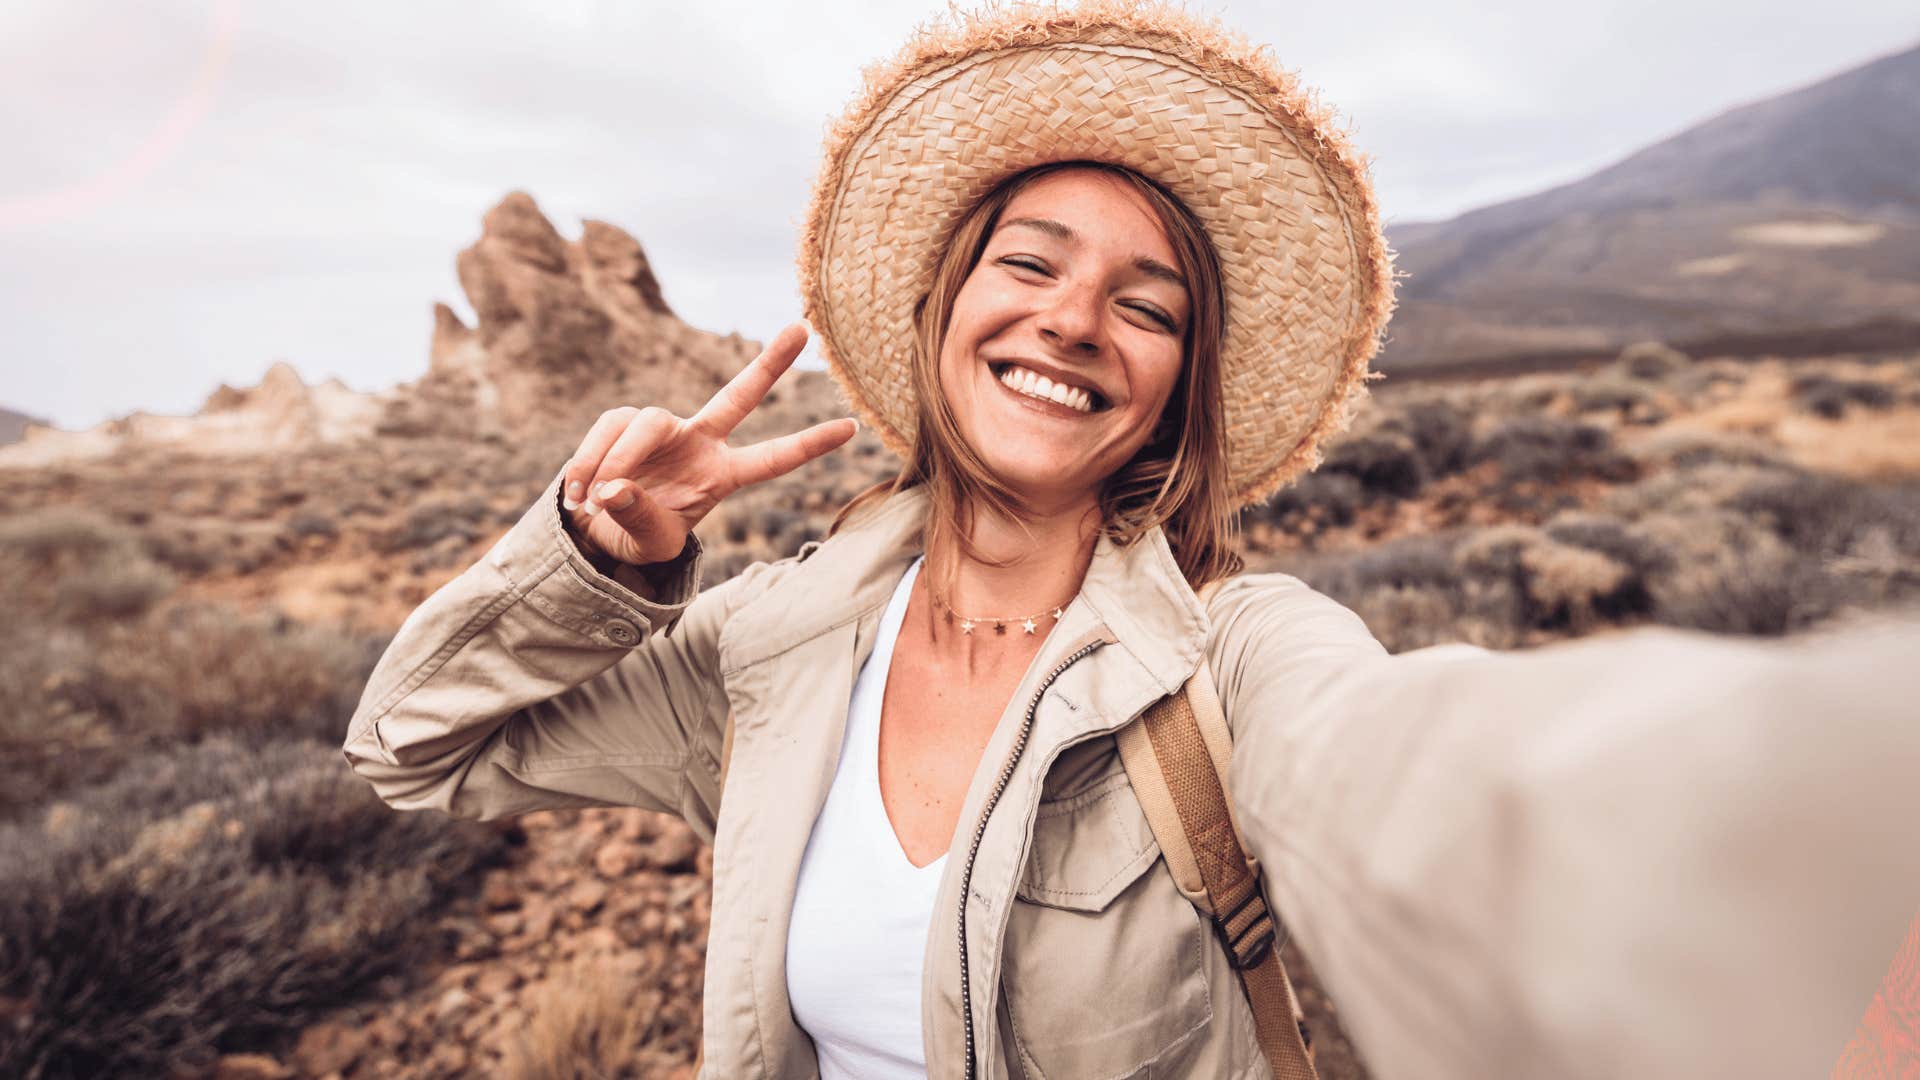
1176	758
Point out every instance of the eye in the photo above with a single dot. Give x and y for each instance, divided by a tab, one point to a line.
1025	262
1154	313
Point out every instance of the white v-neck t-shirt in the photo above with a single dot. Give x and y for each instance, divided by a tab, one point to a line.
858	936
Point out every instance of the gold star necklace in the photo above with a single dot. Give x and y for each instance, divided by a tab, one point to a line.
1029	623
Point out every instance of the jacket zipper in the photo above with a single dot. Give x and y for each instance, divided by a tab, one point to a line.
980	831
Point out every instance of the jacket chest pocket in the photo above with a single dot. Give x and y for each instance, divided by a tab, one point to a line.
1105	970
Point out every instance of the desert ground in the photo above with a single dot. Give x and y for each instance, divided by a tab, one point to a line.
195	885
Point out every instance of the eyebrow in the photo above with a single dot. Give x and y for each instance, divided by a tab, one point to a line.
1062	232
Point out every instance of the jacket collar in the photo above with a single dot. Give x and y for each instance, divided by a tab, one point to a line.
1136	592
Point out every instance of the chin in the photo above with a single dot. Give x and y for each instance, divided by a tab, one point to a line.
1040	468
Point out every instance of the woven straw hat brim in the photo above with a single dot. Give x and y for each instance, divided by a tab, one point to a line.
972	100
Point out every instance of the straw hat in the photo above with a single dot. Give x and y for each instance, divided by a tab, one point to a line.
970	101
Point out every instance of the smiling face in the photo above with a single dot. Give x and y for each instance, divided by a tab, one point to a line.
1065	341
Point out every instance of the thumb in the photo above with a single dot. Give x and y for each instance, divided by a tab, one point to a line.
651	528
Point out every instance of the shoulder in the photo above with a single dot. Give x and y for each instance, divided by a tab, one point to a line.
1276	643
714	607
1265	612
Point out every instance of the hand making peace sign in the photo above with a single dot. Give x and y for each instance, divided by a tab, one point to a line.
643	477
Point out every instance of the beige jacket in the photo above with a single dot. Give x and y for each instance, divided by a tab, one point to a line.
1656	855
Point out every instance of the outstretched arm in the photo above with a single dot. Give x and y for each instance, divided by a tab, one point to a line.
1653	854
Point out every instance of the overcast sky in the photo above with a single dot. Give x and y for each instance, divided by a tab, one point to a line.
196	189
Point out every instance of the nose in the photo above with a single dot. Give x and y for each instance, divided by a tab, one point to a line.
1072	322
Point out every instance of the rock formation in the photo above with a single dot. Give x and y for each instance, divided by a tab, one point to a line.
565	330
281	413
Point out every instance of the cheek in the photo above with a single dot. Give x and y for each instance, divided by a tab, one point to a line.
985	303
1158	378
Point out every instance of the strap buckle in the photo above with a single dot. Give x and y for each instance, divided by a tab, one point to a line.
1260	934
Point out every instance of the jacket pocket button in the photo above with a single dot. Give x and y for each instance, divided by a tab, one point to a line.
622	632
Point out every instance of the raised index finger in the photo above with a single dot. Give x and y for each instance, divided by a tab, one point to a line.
743	392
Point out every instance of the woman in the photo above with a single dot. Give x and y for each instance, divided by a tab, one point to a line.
1101	276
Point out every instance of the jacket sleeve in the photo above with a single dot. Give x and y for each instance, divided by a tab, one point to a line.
1650	854
533	682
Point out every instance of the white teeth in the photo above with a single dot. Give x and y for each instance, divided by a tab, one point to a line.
1034	384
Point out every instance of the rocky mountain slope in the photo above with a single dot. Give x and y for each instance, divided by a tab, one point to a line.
13	425
1802	210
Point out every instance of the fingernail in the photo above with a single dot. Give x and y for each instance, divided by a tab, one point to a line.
621	499
590	508
571	500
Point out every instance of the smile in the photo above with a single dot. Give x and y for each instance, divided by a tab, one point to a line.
1029	383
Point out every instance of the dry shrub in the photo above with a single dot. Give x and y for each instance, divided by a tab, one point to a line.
1416	562
197	547
1526	394
1822	517
1413	618
1573	585
1650	360
1401	444
1773	550
1744	591
211	899
1831	396
596	1019
62	537
1411	593
308	523
1320	497
115	590
433	521
73	566
1620	541
1630	399
197	670
76	566
1705	380
1560	586
85	698
1386	463
1549	450
1440	429
1688	448
191	548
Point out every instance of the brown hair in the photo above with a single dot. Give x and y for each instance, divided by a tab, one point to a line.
1178	480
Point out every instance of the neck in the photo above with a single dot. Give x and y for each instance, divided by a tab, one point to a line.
1019	568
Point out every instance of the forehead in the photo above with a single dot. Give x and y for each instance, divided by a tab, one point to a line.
1101	209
